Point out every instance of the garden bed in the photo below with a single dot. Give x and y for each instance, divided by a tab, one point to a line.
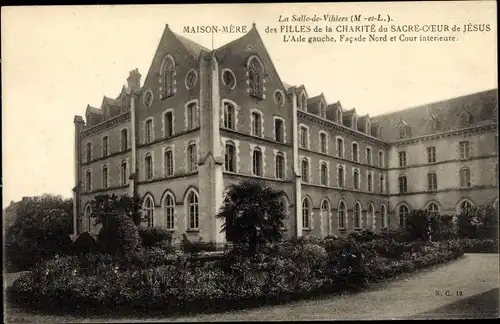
295	272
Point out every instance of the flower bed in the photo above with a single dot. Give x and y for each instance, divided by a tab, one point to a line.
289	272
479	245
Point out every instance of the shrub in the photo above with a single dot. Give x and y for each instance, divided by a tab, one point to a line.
196	247
479	245
119	235
478	222
84	244
153	236
363	235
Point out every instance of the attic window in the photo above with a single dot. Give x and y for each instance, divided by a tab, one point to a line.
402	132
279	97
465	118
354	122
191	78
148	98
368	128
339	116
322	110
228	79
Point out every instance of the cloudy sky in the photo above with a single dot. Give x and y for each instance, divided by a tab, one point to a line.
56	60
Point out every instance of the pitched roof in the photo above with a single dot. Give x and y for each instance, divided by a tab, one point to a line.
193	48
482	106
93	110
286	85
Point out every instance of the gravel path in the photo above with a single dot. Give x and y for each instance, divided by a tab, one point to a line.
465	288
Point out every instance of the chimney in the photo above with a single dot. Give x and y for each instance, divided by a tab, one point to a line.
134	80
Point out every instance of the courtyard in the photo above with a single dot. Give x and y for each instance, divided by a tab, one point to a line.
465	288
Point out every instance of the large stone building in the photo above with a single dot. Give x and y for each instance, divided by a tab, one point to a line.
204	119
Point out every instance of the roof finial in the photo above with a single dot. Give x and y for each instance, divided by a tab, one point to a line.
253	24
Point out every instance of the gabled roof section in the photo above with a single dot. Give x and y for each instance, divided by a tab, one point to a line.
286	85
482	106
93	110
192	47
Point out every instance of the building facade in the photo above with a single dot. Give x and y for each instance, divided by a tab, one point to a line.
204	119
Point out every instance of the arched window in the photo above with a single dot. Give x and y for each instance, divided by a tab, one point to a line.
89	152
88	217
324	174
433	208
192	158
229	116
325	217
322	141
148	163
383	216
124	139
465	205
257	162
256	78
168	78
279	130
280	166
193	211
169	210
368	156
357	215
306	214
403	214
355	152
305	170
230	157
105	177
148	131
192	116
355	179
105	146
370	182
342	215
340	148
88	180
168	123
169	162
381	184
371	215
464	177
148	210
124	173
340	176
432	181
381	159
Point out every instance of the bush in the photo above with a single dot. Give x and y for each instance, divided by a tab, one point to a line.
478	222
363	235
196	247
154	236
84	244
119	235
479	245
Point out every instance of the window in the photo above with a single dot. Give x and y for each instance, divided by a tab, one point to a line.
322	141
168	78
169	163
149	166
370	215
355	179
192	116
124	141
464	150
433	208
280	166
368	156
148	210
228	116
354	122
403	184
169	209
402	158
255	78
305	170
230	157
431	154
256	124
383	217
105	177
169	123
88	180
403	214
305	214
149	131
340	176
465	205
325	217
191	79
257	162
368	128
431	181
465	178
380	159
370	182
228	79
193	211
402	132
381	184
279	135
104	146
355	152
322	110
340	148
89	152
357	216
339	116
324	174
303	102
148	98
342	215
124	173
279	97
303	137
192	158
88	216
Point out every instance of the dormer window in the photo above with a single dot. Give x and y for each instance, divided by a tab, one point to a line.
322	109
256	78
368	127
354	122
465	118
302	102
339	116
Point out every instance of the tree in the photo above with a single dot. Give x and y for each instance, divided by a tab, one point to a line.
478	222
253	213
107	205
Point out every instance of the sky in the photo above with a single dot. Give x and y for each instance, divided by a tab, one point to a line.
56	60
